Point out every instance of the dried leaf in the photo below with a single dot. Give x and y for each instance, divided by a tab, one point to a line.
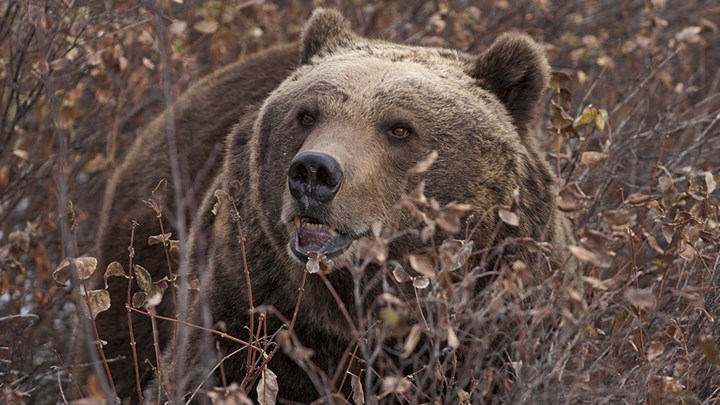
641	298
448	218
595	283
591	158
586	117
653	243
412	339
61	274
423	264
397	385
97	301
157	197
586	255
710	349
690	34
139	299
687	251
206	26
423	165
400	274
421	282
655	349
267	389
710	183
163	239
358	394
114	269
453	340
640	199
619	219
142	277
82	267
454	254
509	217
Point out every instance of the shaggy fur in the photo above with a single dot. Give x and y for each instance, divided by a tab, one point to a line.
473	110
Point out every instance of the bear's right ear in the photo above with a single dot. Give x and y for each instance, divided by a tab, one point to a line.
326	30
516	70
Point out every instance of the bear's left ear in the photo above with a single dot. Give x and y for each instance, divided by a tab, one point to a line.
326	30
516	70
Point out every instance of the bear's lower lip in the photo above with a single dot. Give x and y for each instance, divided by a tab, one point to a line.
317	237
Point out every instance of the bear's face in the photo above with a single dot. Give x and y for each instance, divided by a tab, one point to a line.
333	144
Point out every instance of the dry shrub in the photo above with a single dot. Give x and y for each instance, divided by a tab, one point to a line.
638	177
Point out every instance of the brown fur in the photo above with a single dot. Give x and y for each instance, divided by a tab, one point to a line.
473	110
202	119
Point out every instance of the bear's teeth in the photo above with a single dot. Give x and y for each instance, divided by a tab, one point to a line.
298	222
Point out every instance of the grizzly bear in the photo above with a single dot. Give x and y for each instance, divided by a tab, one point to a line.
316	159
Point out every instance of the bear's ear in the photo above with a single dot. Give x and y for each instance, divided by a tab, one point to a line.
326	30
516	70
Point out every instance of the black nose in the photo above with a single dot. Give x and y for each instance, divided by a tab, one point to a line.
314	178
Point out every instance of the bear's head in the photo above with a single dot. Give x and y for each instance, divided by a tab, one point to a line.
332	145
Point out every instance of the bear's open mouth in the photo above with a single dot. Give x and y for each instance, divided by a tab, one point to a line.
313	236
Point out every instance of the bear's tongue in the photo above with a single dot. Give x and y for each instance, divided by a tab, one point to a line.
320	238
313	239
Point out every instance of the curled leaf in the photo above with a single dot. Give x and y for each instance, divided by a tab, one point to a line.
400	274
423	264
139	299
412	339
358	394
591	158
114	269
267	389
641	298
142	277
96	301
163	239
421	282
508	216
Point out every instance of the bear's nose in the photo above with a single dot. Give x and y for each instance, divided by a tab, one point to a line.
314	179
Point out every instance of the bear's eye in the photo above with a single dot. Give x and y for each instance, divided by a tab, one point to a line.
399	132
307	119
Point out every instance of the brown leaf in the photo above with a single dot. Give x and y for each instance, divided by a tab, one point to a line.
163	239
157	197
509	217
453	340
454	254
206	26
641	298
710	349
653	243
595	283
358	394
449	216
710	183
142	277
640	199
139	299
619	219
267	389
412	340
421	282
586	255
591	158
423	264
97	301
114	269
423	165
393	384
655	349
400	274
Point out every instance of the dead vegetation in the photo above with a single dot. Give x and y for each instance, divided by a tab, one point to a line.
632	127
